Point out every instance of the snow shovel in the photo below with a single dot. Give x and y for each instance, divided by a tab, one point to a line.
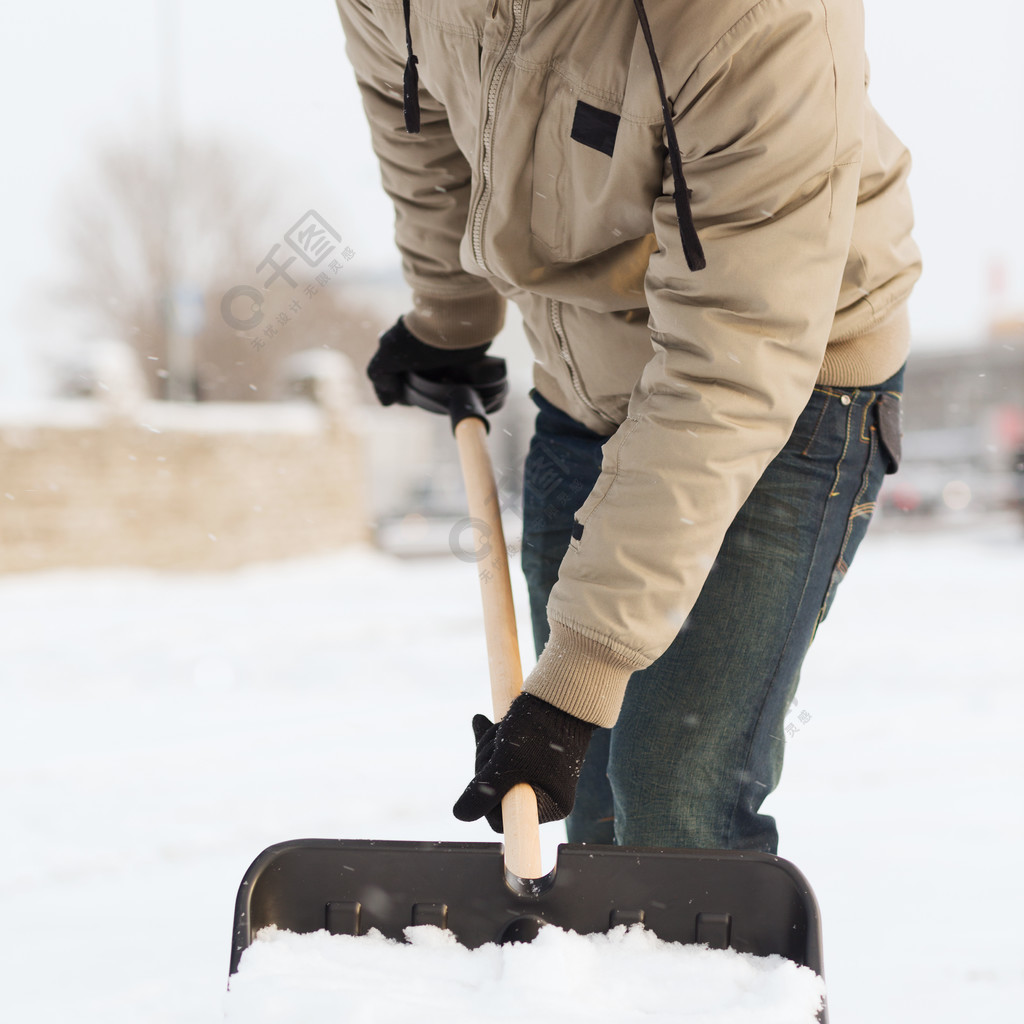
489	892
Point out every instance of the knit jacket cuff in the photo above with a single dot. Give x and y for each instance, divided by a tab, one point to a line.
449	321
583	676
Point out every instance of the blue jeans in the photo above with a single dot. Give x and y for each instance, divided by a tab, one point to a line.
700	740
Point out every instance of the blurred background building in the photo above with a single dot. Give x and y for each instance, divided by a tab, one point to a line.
199	261
963	446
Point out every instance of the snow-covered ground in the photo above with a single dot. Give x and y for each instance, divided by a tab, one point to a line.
159	730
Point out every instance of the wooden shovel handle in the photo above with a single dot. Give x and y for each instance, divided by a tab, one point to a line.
519	806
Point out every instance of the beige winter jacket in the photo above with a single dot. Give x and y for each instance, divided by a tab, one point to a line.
540	175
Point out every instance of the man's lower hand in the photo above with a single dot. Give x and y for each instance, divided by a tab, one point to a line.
536	743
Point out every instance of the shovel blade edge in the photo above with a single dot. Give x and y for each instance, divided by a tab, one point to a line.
752	902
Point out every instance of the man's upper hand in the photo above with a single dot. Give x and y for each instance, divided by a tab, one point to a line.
399	352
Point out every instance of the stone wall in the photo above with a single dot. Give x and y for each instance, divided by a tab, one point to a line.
199	486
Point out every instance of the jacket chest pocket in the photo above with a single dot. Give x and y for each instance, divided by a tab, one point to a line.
596	175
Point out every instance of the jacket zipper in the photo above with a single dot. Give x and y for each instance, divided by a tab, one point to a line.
487	133
555	318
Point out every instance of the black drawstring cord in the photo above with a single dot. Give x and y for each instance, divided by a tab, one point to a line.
692	249
410	81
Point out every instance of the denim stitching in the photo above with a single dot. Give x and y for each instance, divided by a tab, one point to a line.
824	389
859	510
817	426
784	649
842	455
730	824
864	428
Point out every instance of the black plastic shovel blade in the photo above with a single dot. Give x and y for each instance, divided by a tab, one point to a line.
752	902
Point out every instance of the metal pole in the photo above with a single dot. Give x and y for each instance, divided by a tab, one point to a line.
178	344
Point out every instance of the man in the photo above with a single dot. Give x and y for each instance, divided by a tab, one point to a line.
707	229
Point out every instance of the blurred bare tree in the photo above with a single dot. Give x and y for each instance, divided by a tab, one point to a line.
188	255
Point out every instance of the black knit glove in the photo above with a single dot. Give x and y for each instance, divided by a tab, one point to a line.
401	352
536	743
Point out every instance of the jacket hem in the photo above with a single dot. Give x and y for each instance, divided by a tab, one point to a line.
871	356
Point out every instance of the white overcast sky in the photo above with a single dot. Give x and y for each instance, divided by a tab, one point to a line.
948	77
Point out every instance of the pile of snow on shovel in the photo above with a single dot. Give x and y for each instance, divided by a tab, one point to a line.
560	977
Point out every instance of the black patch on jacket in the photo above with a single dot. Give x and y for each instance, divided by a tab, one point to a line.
595	128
